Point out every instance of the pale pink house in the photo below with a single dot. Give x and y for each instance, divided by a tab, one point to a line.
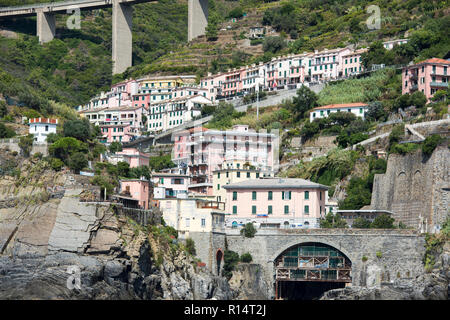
202	151
117	132
352	62
141	99
169	185
134	157
427	76
121	93
275	202
233	82
135	192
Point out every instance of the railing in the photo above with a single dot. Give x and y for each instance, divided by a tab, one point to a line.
141	216
439	84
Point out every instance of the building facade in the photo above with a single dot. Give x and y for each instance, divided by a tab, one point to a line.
359	109
135	190
40	128
275	202
428	77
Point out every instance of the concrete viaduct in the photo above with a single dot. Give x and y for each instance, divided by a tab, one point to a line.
377	256
122	13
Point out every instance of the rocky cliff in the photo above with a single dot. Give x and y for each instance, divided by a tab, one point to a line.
61	248
433	285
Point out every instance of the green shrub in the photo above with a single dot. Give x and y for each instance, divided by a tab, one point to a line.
246	257
249	230
115	146
430	143
6	132
56	164
383	222
77	161
364	259
25	144
404	148
190	246
231	259
379	254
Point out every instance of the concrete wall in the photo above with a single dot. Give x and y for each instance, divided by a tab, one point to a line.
197	18
415	188
206	245
401	250
13	145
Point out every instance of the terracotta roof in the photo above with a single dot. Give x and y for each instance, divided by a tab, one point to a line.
342	106
435	60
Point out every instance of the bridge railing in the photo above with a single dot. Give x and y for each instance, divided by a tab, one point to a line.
47	4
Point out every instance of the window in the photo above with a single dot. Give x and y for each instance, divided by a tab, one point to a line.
188	222
306	195
253	209
218	175
203	223
360	110
234	209
218	187
257	175
320	196
238	174
161	180
248	174
46	128
286	209
253	195
227	174
269	210
270	195
234	195
306	211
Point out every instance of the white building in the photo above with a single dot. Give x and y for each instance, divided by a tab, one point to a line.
359	109
41	127
389	45
172	113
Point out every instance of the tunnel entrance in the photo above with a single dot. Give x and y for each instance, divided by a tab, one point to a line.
305	271
305	290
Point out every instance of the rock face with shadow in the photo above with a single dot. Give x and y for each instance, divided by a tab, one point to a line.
67	249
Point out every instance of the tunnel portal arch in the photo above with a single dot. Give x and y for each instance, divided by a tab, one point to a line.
312	264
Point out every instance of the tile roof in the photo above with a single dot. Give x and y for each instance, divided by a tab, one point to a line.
342	106
275	183
435	60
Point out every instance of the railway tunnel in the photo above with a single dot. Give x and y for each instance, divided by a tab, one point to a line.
305	271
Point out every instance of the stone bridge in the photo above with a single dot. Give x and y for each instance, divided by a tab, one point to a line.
388	254
122	13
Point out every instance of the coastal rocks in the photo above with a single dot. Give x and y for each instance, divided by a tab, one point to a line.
67	249
248	282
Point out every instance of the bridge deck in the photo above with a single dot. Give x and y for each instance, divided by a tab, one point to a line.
29	10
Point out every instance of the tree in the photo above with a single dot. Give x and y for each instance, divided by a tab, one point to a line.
236	13
249	230
305	100
115	146
377	54
25	144
190	246
77	161
361	223
6	132
161	162
123	169
333	221
78	129
383	222
231	259
418	99
375	111
3	109
56	164
64	147
274	44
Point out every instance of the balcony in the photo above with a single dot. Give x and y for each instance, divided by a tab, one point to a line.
439	84
414	87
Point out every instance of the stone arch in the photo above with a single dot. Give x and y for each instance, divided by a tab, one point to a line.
293	243
401	189
219	258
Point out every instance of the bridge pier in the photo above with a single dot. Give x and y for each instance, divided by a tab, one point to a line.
197	18
122	15
46	26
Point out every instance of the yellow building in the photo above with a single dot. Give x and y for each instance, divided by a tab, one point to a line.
232	172
164	82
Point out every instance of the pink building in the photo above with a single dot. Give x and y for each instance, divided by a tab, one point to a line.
427	76
121	93
352	63
141	100
134	157
233	83
202	151
135	193
275	202
117	132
